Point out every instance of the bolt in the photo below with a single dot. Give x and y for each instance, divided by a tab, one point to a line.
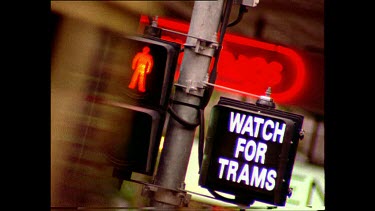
290	190
180	195
301	134
268	92
182	185
155	21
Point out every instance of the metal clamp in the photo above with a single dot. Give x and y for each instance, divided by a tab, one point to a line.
168	196
193	87
204	47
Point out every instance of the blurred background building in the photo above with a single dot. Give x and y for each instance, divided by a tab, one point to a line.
80	174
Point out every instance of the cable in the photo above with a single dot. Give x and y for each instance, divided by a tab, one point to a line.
201	140
236	200
182	121
206	98
242	10
213	74
220	197
208	92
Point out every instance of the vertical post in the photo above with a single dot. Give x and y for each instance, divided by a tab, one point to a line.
179	139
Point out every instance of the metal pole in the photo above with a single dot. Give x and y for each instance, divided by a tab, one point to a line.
179	139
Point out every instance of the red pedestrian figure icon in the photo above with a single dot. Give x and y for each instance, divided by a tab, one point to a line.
142	65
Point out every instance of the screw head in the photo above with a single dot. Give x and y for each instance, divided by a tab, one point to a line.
290	191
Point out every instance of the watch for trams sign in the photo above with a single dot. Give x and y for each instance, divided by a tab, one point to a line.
250	151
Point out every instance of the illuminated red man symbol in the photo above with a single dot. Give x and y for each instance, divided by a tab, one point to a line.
142	65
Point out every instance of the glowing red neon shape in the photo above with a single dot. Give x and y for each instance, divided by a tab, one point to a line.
142	65
230	38
296	59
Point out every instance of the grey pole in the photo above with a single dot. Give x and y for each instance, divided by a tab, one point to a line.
198	51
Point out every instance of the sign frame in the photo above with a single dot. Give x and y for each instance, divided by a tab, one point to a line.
217	145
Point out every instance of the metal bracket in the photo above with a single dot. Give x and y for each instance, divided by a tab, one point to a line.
250	3
193	87
169	196
204	47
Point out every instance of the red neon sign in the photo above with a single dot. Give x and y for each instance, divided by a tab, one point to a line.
249	65
142	64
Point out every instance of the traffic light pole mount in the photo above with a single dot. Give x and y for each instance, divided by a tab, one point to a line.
174	159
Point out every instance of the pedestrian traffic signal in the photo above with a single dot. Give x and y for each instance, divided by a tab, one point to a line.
250	152
148	70
142	70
